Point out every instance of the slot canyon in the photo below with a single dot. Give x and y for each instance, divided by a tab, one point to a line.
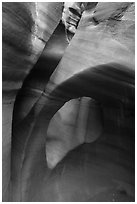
68	101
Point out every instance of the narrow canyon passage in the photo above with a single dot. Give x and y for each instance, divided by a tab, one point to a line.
68	102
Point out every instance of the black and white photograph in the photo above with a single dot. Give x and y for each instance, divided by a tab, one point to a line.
68	101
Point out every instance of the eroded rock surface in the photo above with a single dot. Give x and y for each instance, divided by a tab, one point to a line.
98	65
